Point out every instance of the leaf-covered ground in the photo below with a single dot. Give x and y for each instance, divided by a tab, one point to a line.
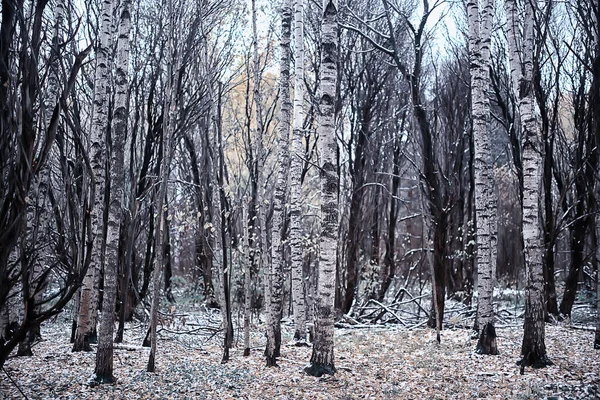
377	363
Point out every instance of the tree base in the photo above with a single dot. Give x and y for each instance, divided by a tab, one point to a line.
246	352
82	345
225	358
318	369
101	380
150	366
300	343
147	342
271	361
212	303
24	351
487	341
93	337
534	361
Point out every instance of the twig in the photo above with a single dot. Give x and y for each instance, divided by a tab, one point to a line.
15	383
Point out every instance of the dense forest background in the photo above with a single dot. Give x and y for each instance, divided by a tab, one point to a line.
345	162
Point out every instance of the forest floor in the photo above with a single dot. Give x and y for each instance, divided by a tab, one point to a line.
382	362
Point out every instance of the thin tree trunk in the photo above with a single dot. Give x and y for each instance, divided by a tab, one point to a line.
322	359
87	306
597	336
276	272
595	109
167	128
224	238
259	237
247	276
390	246
297	260
533	349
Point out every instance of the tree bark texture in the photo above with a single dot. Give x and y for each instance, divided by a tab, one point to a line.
279	211
533	349
295	235
479	48
104	354
87	307
322	359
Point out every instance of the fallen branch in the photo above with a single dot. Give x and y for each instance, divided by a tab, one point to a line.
583	328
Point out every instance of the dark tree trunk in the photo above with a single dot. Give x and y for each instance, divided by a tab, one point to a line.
168	263
354	224
439	268
389	270
577	248
487	340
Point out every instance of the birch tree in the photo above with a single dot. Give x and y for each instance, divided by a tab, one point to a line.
104	354
283	157
87	306
479	48
521	53
322	359
295	235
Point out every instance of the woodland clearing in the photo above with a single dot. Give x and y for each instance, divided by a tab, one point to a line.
373	362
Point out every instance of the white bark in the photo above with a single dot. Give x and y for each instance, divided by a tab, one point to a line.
479	47
86	320
283	157
533	349
322	359
104	355
295	184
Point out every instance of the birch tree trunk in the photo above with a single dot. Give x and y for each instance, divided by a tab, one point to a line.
276	272
479	47
87	307
104	354
295	237
322	360
533	349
